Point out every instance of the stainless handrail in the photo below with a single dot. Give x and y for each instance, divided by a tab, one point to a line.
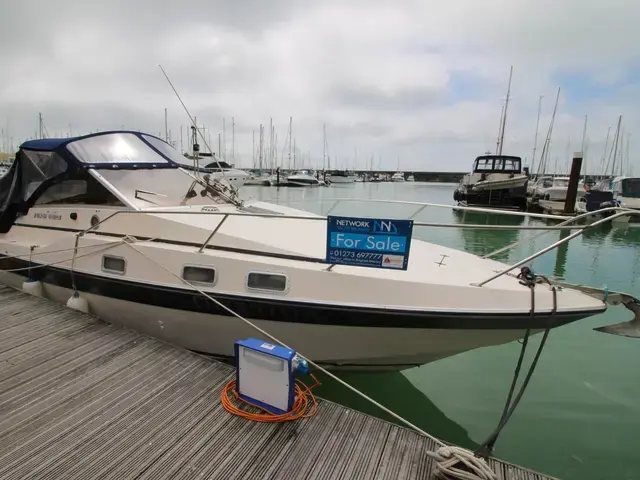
555	245
563	226
566	222
471	226
453	207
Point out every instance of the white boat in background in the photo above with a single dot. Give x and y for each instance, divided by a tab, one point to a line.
626	192
410	178
219	169
555	189
303	178
342	176
145	226
397	177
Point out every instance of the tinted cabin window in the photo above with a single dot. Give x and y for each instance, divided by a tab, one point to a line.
38	167
82	188
199	274
511	165
484	165
267	281
113	264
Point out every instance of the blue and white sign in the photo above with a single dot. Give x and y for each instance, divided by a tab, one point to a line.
369	242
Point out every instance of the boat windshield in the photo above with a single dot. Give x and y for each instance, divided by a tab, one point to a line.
561	182
631	187
497	164
115	148
160	187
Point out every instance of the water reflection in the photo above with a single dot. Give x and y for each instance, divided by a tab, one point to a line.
482	242
398	394
559	269
625	235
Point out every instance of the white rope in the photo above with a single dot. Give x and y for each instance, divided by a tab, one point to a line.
311	362
450	459
33	253
42	265
447	457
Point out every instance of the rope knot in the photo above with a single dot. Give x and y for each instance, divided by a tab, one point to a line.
456	463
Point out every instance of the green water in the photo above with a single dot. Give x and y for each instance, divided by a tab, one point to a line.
580	416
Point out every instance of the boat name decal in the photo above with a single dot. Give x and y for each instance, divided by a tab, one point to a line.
48	216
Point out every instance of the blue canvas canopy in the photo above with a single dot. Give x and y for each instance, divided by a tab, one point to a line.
45	162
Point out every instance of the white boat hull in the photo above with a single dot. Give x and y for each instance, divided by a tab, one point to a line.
335	347
500	183
341	179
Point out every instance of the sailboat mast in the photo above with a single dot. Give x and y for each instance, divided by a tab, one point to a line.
260	147
604	154
224	140
324	145
583	145
233	140
166	126
253	147
504	117
614	150
499	129
290	127
535	137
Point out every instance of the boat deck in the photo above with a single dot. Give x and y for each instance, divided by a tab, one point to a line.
80	398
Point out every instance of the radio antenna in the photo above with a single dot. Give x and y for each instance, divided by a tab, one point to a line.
204	140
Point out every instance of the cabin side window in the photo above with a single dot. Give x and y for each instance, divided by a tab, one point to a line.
484	165
39	167
273	282
82	188
199	274
511	165
112	264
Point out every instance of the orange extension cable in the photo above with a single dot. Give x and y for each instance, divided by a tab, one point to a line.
305	404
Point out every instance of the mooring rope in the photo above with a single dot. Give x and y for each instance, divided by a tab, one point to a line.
530	280
452	462
446	457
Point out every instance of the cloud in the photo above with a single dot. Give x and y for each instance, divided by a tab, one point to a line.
420	81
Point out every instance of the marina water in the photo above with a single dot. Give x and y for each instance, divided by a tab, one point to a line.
580	417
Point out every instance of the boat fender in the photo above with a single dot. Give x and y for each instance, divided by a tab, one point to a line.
79	303
32	287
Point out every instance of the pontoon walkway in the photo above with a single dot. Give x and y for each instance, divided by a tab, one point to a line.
80	398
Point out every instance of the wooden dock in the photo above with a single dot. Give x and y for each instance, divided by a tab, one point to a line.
82	399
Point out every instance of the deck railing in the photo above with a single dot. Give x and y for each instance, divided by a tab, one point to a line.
568	224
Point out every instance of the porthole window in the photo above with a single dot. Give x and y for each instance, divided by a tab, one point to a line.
199	274
274	282
113	264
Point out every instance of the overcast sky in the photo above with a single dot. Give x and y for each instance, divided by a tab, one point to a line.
415	80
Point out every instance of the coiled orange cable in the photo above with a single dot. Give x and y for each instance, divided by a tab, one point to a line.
305	404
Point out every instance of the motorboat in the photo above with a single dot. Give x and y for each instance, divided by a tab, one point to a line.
209	163
303	178
341	176
555	189
626	192
495	181
114	219
410	178
397	177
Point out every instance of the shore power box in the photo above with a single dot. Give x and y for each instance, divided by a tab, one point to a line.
265	374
